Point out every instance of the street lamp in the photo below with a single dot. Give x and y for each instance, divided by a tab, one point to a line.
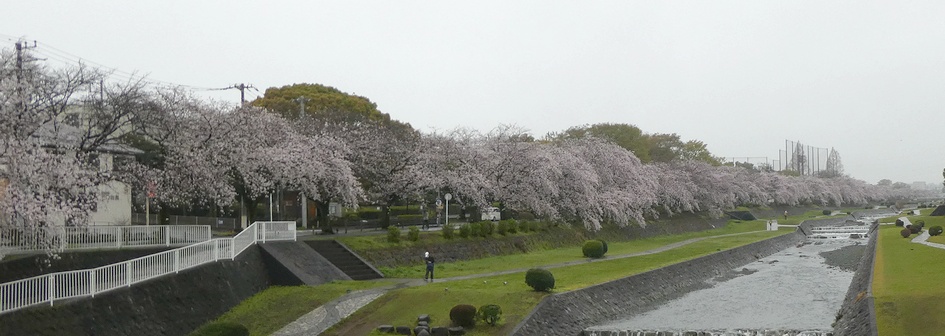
448	196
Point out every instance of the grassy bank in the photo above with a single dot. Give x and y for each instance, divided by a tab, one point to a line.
277	306
559	255
905	282
401	307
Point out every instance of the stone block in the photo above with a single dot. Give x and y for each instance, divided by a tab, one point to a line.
386	328
423	318
423	323
440	331
457	331
423	332
403	330
418	329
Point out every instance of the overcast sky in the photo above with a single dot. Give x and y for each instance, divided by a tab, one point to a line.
866	78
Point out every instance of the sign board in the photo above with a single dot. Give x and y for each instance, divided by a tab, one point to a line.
334	209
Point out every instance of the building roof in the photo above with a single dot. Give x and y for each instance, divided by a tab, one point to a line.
70	136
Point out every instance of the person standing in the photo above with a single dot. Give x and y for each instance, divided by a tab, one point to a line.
428	259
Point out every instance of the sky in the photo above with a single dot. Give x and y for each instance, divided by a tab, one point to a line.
866	78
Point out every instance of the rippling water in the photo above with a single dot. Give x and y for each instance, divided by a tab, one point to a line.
791	289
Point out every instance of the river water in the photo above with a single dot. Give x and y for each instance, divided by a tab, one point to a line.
794	289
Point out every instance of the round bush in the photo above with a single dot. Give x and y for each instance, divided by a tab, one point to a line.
448	232
413	234
463	315
593	249
221	329
826	212
502	228
490	314
905	233
899	222
464	231
486	229
393	235
915	228
935	230
540	280
475	229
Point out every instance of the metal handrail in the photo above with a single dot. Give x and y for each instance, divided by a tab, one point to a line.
53	287
13	241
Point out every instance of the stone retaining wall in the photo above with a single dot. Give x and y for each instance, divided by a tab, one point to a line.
570	312
857	316
169	305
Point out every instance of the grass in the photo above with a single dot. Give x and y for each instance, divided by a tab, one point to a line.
906	283
565	254
401	307
270	310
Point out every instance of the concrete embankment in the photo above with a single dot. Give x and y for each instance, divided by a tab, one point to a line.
570	312
857	316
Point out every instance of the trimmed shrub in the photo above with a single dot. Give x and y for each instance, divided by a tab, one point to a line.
935	230
905	233
486	229
920	223
540	280
490	313
474	229
826	212
512	225
464	230
448	232
605	245
593	249
899	222
393	235
502	228
463	315
413	234
221	329
915	228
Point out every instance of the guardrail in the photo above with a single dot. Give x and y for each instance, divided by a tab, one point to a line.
49	288
14	241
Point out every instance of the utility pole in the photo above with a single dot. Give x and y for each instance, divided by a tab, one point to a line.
20	46
302	100
244	221
242	87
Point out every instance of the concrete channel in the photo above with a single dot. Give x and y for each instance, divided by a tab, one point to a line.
796	291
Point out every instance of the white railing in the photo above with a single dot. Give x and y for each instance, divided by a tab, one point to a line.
95	237
49	288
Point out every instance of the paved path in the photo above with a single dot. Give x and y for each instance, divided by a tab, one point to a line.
923	239
329	314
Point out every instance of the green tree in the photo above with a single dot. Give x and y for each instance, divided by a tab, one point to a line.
624	135
320	101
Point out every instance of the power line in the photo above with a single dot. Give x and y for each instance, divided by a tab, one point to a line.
68	58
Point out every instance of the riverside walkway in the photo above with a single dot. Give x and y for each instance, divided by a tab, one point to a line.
329	314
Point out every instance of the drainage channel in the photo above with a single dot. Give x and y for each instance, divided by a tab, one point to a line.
795	292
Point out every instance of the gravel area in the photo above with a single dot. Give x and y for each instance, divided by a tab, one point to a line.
846	258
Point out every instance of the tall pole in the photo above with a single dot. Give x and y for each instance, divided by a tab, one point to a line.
301	100
448	196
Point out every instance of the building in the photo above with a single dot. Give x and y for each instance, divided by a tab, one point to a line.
114	202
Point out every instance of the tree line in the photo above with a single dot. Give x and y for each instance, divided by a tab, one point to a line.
336	147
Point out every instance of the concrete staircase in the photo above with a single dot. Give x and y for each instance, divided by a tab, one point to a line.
345	260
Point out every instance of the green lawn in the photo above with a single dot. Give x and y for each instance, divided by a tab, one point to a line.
401	307
906	285
565	254
270	310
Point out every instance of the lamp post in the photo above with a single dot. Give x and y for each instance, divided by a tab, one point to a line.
448	196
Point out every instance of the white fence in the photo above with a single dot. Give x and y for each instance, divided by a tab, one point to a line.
49	288
14	241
